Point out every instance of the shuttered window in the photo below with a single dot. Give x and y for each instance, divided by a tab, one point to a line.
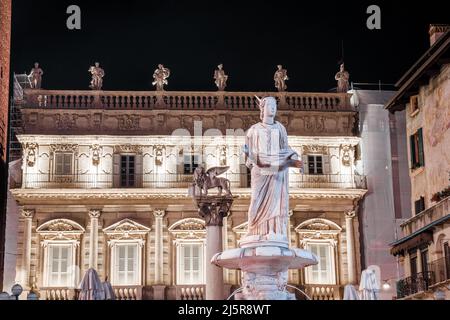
191	263
323	272
419	205
416	150
126	264
63	163
59	265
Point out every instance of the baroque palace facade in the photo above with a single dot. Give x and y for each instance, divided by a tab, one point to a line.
103	183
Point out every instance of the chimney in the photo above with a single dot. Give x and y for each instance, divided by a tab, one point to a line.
437	30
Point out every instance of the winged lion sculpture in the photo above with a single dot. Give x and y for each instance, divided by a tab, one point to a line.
209	179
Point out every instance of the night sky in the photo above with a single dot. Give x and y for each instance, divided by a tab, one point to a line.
129	39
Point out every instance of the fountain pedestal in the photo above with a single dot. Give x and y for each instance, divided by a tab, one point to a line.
264	263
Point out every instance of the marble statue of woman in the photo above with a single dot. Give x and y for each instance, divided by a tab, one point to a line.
269	156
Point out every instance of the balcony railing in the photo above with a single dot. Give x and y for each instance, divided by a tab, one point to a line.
322	291
190	292
176	100
62	293
128	292
440	269
424	218
417	283
105	181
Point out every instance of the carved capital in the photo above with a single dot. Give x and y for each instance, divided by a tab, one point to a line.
27	213
213	209
94	213
350	214
159	214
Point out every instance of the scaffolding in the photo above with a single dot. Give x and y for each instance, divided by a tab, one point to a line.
21	82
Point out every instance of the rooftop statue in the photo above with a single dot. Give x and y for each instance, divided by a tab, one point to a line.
160	75
268	155
280	78
36	76
97	76
342	78
220	77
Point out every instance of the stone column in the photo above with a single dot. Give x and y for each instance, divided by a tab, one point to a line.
93	238
225	246
27	215
419	261
159	263
350	246
213	209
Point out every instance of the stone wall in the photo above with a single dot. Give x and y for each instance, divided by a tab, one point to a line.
434	118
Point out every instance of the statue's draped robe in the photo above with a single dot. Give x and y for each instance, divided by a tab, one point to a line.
268	212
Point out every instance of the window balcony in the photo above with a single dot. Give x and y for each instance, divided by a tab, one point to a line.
414	285
107	181
441	270
425	218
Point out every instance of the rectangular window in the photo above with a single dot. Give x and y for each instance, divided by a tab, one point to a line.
419	205
190	163
127	171
323	272
126	264
315	164
416	146
63	163
191	263
59	265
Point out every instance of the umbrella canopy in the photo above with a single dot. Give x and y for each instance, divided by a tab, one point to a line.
369	286
91	288
350	293
109	291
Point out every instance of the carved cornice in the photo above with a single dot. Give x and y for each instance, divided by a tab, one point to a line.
189	228
60	229
128	148
318	228
64	147
314	149
126	229
157	122
26	195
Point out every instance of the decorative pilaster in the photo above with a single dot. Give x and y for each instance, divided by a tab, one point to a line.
159	262
94	214
27	215
213	209
350	246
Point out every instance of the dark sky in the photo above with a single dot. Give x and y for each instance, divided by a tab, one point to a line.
250	38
